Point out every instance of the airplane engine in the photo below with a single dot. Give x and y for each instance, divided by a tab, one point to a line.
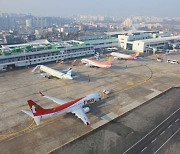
87	65
45	75
86	109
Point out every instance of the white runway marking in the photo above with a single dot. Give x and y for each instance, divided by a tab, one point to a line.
153	140
151	131
177	120
167	141
162	133
170	126
143	149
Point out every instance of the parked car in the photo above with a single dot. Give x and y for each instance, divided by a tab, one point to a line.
159	60
107	92
172	61
4	68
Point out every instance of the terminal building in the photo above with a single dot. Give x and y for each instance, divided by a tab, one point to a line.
42	51
155	44
147	41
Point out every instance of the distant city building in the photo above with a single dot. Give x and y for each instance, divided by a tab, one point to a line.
11	39
127	23
69	29
39	22
7	22
28	22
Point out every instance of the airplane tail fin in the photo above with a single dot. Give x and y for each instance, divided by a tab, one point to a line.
36	109
110	60
36	68
74	63
137	54
69	71
134	56
37	119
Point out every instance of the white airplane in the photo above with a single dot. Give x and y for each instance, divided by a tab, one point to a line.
75	106
124	56
96	63
52	72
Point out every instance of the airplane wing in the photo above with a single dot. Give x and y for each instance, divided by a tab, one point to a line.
56	100
80	114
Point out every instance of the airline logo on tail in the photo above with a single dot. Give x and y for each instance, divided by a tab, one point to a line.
110	60
134	56
137	54
35	108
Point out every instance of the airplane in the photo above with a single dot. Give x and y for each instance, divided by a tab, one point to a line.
75	107
124	56
49	72
75	62
96	63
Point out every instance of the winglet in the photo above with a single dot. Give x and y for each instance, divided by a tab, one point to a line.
41	94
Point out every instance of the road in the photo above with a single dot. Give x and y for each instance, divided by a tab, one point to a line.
158	137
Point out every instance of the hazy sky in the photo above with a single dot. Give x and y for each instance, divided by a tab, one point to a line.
120	8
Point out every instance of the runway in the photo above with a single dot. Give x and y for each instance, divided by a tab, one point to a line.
158	137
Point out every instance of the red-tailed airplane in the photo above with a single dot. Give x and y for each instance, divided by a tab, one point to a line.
96	63
75	106
124	56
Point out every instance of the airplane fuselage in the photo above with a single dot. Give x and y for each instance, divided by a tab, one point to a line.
95	63
120	55
83	101
54	72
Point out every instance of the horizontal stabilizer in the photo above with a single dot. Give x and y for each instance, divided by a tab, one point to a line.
37	119
56	100
29	113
